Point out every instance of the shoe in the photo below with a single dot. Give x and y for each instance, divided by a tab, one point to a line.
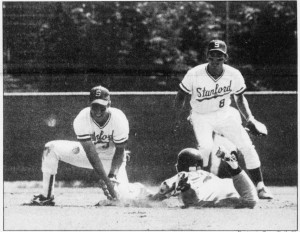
228	157
40	200
264	193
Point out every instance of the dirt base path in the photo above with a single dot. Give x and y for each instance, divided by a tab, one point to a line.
75	210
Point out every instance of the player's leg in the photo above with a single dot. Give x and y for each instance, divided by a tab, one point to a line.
70	152
52	154
49	169
216	164
204	135
253	166
241	180
235	132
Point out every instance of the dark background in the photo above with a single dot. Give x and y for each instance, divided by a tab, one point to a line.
152	144
144	46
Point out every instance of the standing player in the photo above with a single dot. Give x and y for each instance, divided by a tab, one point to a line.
102	132
197	187
209	87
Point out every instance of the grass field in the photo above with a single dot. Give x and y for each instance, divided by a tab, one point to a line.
75	210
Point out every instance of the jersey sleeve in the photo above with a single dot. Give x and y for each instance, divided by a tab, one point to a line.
240	85
82	126
121	130
187	83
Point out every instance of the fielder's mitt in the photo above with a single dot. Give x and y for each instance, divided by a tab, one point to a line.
182	183
256	128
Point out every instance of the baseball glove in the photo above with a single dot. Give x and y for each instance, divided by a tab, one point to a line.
256	128
182	183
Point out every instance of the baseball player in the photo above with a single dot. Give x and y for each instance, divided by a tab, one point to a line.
196	187
209	87
102	132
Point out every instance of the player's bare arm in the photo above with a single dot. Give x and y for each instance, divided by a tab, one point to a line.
180	100
117	159
95	161
253	126
243	106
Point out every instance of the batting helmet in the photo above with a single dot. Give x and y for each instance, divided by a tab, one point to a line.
189	158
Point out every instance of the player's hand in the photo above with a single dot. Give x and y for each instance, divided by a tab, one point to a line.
113	179
108	190
156	197
256	128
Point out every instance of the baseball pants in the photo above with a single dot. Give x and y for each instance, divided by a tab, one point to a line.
227	123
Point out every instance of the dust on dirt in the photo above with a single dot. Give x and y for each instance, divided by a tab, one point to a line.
75	210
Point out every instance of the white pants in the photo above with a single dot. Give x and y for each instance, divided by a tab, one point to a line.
227	123
72	152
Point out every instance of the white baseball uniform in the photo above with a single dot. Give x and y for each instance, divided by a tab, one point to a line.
211	111
206	189
115	131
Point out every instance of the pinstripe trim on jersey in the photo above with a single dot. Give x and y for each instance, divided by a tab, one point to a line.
185	89
84	140
240	91
215	80
101	127
84	137
209	98
119	141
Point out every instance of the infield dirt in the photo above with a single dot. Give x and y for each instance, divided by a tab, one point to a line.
75	210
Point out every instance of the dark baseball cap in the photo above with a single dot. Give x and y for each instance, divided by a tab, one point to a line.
217	45
99	95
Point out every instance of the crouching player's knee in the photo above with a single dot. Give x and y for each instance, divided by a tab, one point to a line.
49	158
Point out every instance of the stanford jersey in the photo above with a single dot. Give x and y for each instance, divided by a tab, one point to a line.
209	94
115	131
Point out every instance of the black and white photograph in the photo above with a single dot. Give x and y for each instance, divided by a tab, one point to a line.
149	115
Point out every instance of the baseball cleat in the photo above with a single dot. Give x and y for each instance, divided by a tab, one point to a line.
264	193
40	200
228	157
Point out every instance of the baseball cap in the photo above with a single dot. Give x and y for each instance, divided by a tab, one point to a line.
99	95
217	45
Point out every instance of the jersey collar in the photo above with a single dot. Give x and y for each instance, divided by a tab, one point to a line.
215	80
107	121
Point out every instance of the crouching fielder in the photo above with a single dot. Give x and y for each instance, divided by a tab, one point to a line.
196	187
102	132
